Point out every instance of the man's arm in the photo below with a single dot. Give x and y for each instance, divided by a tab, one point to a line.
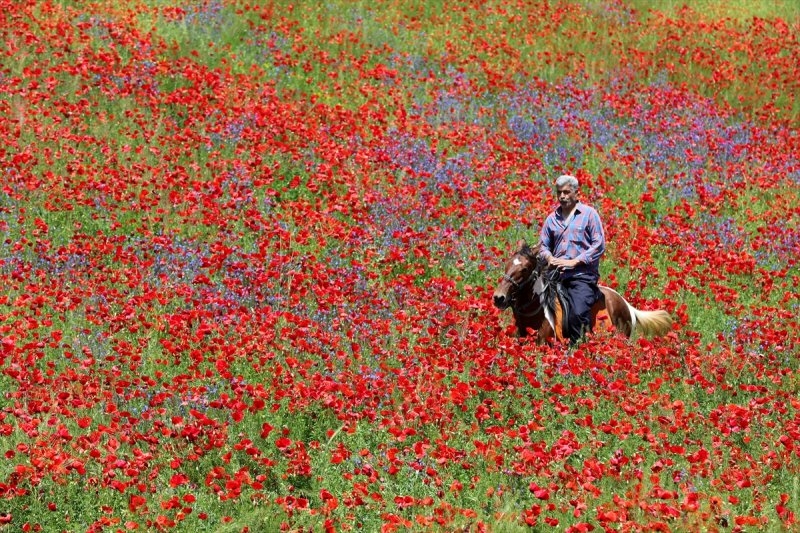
597	240
547	250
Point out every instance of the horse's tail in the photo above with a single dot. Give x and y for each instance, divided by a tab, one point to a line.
651	323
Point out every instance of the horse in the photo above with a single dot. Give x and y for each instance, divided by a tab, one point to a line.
529	287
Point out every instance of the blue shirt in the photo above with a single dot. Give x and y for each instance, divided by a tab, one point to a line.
580	237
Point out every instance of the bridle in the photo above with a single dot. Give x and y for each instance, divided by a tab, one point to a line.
517	285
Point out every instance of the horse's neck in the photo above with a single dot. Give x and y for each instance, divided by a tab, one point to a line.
530	294
528	301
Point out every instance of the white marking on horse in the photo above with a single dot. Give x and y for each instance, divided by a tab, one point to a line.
517	262
630	307
549	316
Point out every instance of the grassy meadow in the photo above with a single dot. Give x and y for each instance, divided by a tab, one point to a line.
248	252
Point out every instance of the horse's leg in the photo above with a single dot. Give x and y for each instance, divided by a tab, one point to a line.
618	312
599	317
522	326
544	333
559	319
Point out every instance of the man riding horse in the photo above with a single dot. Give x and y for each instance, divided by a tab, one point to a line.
573	241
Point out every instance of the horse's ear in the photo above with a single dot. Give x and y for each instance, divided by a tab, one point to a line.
521	244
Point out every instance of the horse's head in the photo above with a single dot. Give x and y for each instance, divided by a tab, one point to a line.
521	270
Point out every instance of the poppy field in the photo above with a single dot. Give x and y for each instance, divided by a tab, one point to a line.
248	250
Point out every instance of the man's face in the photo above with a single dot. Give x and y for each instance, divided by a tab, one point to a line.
567	197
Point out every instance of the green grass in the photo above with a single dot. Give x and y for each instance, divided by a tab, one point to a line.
740	10
590	43
226	42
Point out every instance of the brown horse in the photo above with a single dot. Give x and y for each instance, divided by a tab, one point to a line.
529	288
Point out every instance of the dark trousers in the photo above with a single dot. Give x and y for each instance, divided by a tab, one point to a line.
581	294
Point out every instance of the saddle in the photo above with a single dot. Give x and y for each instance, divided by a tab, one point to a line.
549	289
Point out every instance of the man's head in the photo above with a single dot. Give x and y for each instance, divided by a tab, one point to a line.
567	192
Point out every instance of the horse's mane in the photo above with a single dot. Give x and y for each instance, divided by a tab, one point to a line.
530	252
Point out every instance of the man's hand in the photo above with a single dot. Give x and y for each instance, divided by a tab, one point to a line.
564	264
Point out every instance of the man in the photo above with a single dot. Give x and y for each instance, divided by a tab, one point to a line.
573	242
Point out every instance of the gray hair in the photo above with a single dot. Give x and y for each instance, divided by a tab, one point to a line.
566	179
